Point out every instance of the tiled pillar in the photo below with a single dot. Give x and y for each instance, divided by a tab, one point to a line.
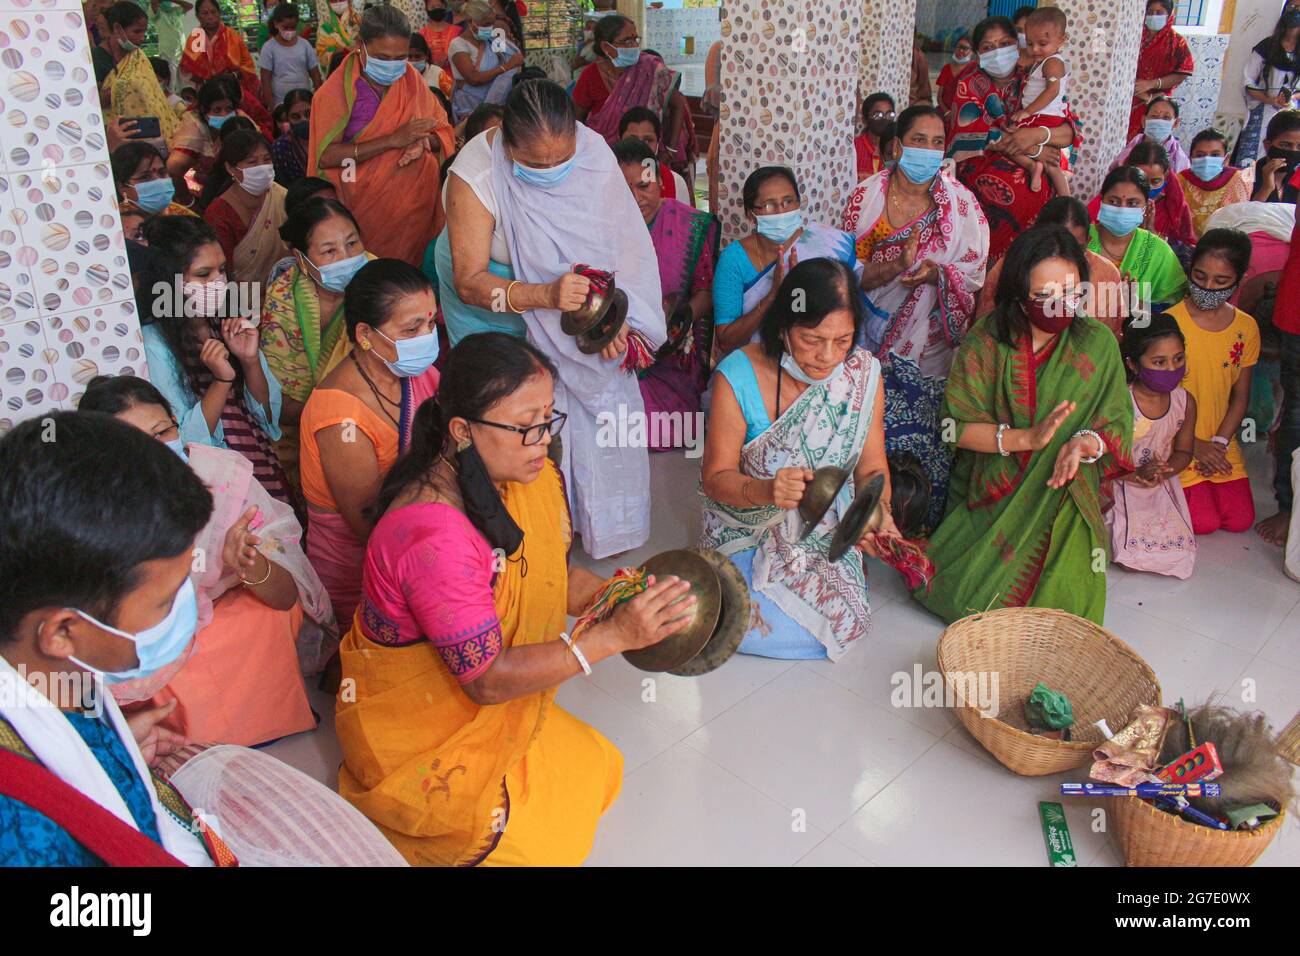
1102	53
67	311
789	96
886	53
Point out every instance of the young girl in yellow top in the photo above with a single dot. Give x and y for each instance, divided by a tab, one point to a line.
1222	347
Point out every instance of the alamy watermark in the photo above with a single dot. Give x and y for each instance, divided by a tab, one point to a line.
635	428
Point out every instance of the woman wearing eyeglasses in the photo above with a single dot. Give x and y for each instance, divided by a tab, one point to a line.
358	417
623	77
453	744
1042	416
750	270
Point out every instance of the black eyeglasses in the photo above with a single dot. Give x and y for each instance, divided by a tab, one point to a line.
532	434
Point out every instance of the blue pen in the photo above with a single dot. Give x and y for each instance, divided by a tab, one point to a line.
1180	805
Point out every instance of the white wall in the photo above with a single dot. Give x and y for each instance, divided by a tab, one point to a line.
1252	22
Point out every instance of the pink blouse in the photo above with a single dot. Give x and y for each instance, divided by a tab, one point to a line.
428	576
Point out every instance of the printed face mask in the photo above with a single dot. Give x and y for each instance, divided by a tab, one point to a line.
1207	300
207	300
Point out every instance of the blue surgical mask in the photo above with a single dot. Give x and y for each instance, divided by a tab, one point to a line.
780	226
1000	62
799	375
1206	168
1158	129
1154	191
178	445
384	72
335	276
157	646
920	165
484	33
414	355
216	122
544	178
1156	22
625	57
155	194
1119	220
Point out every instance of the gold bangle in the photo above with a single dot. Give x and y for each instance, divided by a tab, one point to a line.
266	577
513	283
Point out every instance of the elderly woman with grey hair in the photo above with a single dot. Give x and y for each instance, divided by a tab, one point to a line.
379	135
484	61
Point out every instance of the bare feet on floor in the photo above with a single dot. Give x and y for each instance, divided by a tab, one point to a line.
1274	529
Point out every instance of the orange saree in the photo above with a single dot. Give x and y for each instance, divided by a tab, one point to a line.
396	205
204	57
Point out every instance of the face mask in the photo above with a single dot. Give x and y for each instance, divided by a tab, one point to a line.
1156	23
1119	220
1159	129
780	226
437	14
1000	62
962	60
878	127
484	33
178	446
288	35
799	375
1291	19
339	8
384	72
483	504
1155	191
418	65
301	129
1207	167
207	300
1022	41
335	276
257	179
1059	319
920	165
154	195
1207	300
125	45
157	646
1292	156
1161	379
216	122
414	355
624	58
544	178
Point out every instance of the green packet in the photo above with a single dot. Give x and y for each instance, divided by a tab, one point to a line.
1056	834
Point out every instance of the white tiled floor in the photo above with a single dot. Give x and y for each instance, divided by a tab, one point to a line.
777	763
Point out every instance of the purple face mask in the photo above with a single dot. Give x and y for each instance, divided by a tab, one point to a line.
1161	379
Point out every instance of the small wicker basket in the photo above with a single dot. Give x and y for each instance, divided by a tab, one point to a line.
1152	837
1100	674
1288	741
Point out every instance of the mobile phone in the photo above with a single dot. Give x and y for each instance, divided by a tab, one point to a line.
146	127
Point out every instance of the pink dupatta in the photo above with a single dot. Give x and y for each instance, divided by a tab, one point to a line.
650	84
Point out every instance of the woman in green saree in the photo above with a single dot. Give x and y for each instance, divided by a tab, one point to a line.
1041	416
1141	256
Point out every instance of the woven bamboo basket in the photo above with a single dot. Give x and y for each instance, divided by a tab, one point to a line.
1151	837
1288	742
1099	673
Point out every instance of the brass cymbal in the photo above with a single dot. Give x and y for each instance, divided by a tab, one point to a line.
606	327
820	495
677	649
733	621
589	313
865	514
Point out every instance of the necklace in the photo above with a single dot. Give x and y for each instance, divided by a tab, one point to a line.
914	207
380	397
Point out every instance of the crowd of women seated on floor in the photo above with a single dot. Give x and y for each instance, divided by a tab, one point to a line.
1038	377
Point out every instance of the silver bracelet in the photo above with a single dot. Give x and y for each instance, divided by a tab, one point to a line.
582	658
1220	441
1100	445
1002	451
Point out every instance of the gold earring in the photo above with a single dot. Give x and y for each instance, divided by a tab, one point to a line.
462	444
365	345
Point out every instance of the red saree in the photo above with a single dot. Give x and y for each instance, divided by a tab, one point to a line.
395	205
1161	53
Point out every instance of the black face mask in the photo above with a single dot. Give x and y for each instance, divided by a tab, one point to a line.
1291	19
483	504
1292	156
878	127
437	14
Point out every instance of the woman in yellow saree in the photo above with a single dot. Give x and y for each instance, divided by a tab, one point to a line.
132	89
452	742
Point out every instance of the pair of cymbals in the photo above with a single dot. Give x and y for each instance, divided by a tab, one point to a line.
718	623
866	513
595	323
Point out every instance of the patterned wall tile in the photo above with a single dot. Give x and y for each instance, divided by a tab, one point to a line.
885	59
664	30
66	307
1198	95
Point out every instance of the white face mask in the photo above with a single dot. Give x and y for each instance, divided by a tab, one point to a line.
258	179
799	375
